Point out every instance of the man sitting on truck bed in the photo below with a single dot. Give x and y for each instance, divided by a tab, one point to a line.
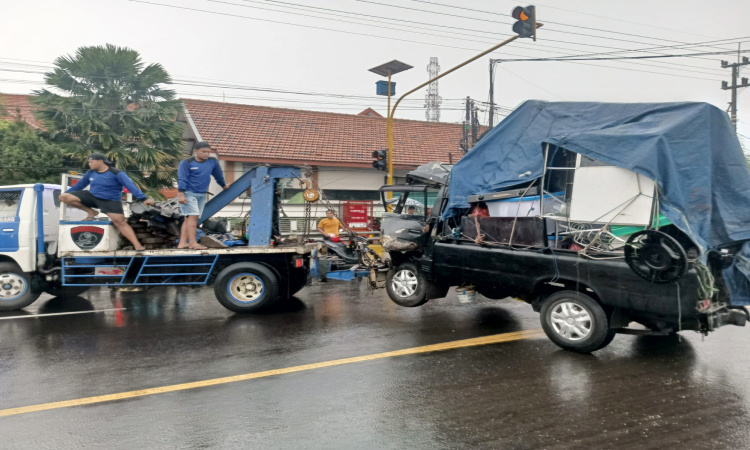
193	179
106	194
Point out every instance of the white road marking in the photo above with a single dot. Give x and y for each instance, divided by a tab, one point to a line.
31	316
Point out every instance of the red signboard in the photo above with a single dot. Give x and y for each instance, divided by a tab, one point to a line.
358	215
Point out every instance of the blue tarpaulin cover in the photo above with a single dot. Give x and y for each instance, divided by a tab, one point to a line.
690	149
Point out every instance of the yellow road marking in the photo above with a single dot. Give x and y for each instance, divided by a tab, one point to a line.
486	340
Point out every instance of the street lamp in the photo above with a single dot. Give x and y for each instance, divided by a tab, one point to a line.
386	70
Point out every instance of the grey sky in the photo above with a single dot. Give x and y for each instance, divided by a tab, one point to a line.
260	53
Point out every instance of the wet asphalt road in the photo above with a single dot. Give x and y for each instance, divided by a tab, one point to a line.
640	392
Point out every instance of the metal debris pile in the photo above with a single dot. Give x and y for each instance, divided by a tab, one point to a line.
157	226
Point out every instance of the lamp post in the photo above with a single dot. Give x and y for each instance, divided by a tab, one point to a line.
386	70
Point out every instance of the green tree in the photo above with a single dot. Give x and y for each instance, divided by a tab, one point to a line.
26	157
111	102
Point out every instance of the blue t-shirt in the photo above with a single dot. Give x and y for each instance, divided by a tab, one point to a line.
195	176
108	185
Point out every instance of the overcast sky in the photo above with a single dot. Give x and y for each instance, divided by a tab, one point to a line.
326	47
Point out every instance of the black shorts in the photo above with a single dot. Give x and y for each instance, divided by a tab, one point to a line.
105	206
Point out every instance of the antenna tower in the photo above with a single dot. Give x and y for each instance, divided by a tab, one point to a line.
432	100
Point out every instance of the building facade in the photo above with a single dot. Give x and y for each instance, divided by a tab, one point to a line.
335	148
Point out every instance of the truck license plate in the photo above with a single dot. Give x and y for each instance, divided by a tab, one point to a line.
109	270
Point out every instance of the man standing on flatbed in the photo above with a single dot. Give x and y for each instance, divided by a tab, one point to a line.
193	178
106	194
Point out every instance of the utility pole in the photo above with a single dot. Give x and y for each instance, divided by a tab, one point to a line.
465	145
471	126
734	86
474	124
492	91
432	99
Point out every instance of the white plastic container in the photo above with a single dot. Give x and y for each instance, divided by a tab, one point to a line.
523	207
88	235
466	294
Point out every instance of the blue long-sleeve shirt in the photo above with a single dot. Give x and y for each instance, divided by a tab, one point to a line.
108	185
195	176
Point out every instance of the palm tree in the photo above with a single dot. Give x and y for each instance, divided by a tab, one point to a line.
107	100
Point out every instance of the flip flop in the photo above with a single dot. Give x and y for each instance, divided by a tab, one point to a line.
91	217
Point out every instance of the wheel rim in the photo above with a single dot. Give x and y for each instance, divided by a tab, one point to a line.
12	286
404	283
246	288
571	321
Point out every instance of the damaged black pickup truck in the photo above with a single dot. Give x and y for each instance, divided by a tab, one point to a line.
598	215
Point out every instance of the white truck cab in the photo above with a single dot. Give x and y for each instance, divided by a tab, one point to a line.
28	234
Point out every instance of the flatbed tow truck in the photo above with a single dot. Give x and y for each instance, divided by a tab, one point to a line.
44	249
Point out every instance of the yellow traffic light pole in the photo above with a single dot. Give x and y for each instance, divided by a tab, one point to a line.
389	135
389	123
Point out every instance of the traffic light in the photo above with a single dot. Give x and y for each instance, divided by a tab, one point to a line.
526	25
381	159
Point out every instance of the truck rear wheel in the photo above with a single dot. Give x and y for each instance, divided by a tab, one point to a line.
297	280
17	289
406	286
575	322
246	287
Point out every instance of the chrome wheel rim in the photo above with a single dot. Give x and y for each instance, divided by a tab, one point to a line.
12	286
571	321
246	288
404	283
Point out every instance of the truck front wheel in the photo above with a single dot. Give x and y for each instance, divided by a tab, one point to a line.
576	322
58	290
16	288
406	286
246	287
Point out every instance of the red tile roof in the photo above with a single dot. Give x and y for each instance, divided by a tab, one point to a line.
14	103
276	135
370	113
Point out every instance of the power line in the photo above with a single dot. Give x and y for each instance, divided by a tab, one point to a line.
333	12
455	103
294	24
549	22
728	41
495	21
624	21
359	14
565	58
179	82
371	35
375	16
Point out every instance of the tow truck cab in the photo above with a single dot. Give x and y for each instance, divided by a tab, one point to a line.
46	247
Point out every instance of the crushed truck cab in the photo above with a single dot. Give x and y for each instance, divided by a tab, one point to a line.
598	215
